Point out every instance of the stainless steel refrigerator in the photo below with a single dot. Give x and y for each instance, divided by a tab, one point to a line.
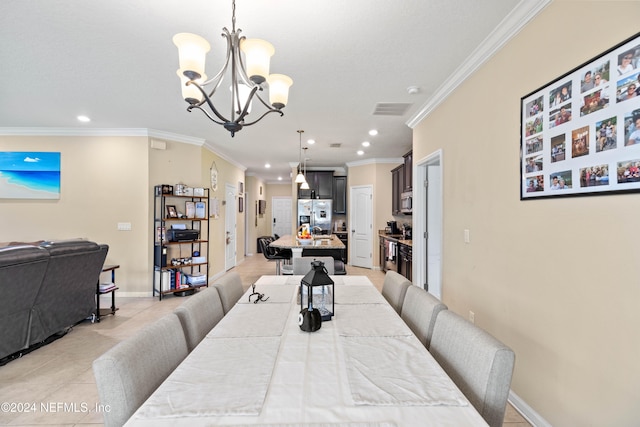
316	213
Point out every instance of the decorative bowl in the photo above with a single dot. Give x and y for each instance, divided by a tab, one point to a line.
304	242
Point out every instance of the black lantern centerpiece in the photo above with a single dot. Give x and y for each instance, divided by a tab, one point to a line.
316	297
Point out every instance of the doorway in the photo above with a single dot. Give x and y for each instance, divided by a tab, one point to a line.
361	246
281	223
427	237
230	226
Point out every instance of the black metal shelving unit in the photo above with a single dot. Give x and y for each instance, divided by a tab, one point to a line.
168	269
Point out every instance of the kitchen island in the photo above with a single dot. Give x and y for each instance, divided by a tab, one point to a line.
324	241
322	245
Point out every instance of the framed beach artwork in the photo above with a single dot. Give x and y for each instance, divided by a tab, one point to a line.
580	134
29	175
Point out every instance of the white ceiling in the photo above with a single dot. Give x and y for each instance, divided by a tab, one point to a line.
114	61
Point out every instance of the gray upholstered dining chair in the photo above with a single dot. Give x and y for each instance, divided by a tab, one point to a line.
479	364
230	290
302	265
132	370
394	288
419	312
199	314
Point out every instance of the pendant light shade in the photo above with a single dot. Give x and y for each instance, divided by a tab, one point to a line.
257	55
300	179
192	51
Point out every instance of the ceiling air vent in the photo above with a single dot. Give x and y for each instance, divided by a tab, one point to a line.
335	145
391	109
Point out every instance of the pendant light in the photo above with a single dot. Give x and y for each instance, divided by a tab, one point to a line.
300	177
305	184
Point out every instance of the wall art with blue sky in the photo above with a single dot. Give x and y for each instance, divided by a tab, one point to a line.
29	175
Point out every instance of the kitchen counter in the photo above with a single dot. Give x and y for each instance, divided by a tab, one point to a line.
395	238
319	242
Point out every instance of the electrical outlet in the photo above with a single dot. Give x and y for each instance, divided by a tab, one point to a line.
472	317
467	237
124	226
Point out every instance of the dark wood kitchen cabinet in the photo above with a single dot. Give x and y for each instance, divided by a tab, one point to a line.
408	171
320	185
397	187
340	194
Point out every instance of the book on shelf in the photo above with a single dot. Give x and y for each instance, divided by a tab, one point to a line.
104	287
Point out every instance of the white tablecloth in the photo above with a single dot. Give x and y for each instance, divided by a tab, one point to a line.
343	375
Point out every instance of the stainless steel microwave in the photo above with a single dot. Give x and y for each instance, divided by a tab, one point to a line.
406	202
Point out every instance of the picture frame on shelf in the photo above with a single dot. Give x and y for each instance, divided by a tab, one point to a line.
167	189
172	212
580	133
201	210
190	209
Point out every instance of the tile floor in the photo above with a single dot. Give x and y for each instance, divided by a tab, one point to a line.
54	385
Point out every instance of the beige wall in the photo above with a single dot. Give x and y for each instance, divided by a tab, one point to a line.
557	280
232	174
257	225
106	180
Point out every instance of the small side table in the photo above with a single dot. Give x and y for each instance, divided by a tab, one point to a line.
106	311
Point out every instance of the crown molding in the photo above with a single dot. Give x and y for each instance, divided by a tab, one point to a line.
511	25
148	133
43	131
224	157
391	160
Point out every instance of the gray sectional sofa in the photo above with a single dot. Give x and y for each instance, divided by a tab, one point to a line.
45	288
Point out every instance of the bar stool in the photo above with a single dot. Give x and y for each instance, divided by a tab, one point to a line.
273	254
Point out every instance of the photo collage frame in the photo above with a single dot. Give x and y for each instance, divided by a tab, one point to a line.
580	134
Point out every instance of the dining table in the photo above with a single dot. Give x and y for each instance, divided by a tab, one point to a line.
362	368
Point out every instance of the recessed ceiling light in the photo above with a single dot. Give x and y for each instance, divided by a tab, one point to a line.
311	141
267	165
84	119
279	178
360	152
366	144
373	132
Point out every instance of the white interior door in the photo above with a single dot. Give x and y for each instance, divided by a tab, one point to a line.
361	247
427	237
230	227
281	216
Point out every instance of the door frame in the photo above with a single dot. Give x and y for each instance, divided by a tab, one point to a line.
352	242
230	221
421	197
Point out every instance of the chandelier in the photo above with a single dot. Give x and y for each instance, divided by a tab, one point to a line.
248	77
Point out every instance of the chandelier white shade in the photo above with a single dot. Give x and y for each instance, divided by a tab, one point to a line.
248	77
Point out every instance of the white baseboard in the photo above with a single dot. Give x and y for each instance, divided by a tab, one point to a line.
527	411
130	295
